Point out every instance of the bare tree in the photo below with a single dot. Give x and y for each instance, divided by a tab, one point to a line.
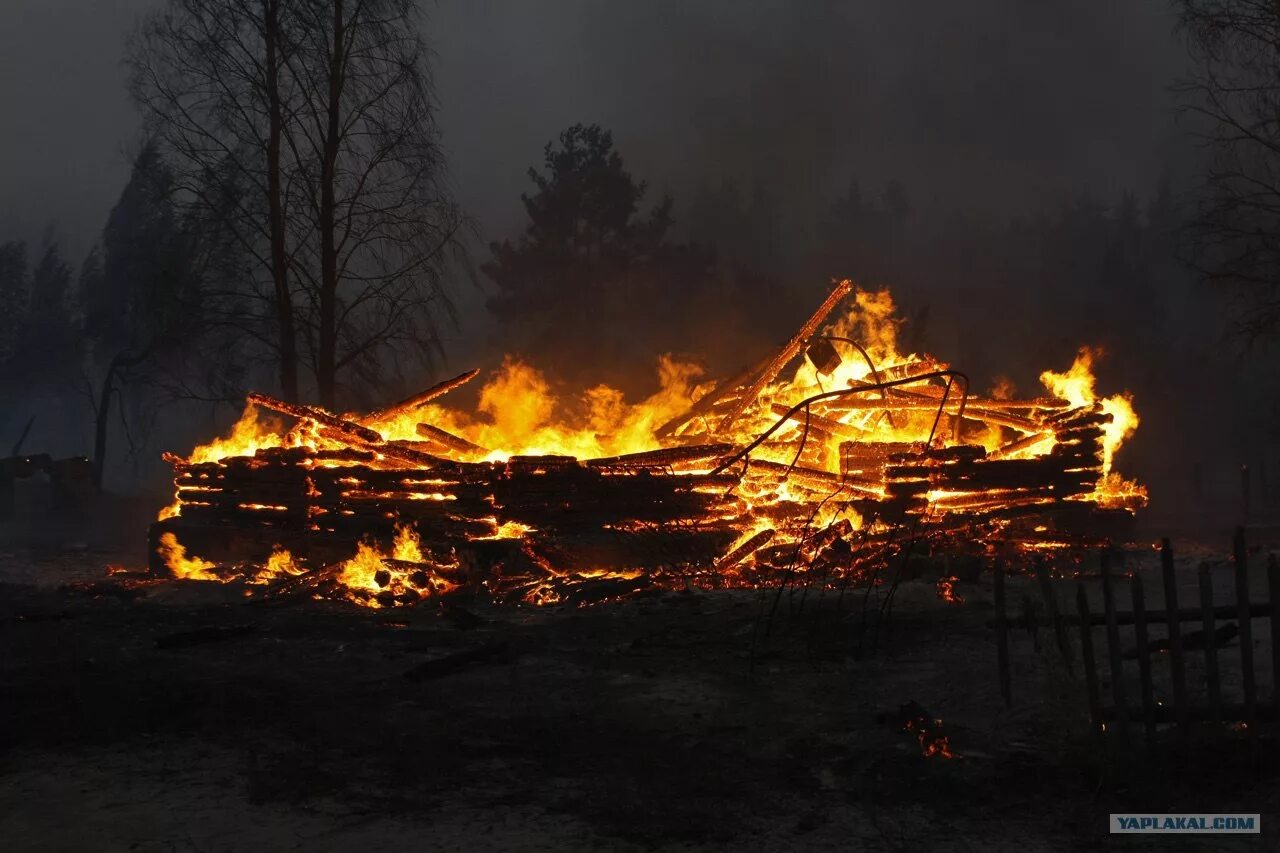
375	224
1234	96
308	125
210	78
143	298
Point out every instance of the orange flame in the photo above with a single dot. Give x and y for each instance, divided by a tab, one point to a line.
520	412
182	566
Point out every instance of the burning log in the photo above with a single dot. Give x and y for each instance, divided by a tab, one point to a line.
320	416
788	352
417	401
664	458
818	422
450	441
1025	443
728	390
746	549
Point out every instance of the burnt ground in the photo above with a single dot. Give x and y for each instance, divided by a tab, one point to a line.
187	717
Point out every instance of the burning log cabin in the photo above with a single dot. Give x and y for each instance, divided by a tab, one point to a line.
825	459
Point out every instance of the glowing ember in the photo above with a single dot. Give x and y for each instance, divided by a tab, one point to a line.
933	742
947	590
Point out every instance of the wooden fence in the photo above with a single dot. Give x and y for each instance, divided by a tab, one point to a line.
1210	628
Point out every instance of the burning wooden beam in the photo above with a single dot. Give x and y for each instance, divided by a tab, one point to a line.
320	416
818	422
665	457
789	351
450	441
420	399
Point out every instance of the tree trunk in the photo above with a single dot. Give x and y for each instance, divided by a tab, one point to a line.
326	367
275	206
103	412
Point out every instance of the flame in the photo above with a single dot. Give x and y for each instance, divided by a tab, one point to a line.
506	530
247	436
182	566
359	571
519	413
370	578
1076	386
522	413
281	564
408	546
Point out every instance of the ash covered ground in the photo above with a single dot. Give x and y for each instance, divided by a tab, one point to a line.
187	716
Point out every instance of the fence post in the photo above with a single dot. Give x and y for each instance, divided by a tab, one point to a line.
1113	645
1087	659
1244	617
1051	606
1144	658
1176	663
1210	645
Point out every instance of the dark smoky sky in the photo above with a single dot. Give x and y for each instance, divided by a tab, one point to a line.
992	106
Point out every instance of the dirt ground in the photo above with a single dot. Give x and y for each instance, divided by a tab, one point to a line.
189	717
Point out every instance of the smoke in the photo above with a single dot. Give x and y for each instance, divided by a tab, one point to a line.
991	107
984	111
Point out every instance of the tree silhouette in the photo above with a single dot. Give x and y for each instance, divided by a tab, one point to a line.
583	230
14	293
590	261
141	295
307	130
1234	93
51	336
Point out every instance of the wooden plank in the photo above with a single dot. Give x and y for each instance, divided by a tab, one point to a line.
1249	685
1002	634
1114	654
1087	658
1144	657
1212	684
1177	665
